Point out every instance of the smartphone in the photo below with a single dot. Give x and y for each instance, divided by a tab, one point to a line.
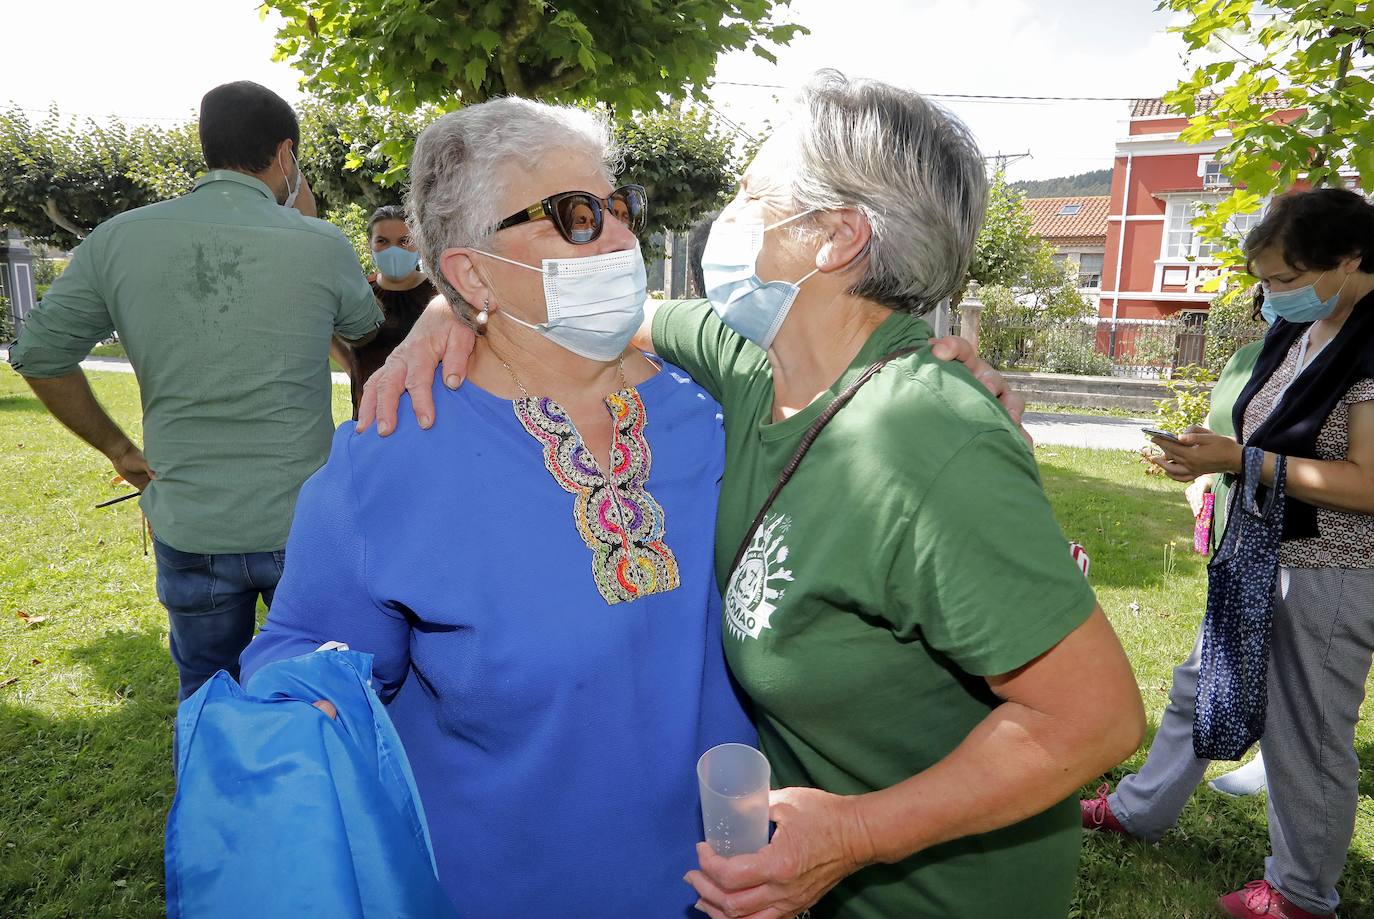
1164	435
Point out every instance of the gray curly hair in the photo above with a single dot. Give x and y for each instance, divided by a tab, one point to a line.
909	166
458	169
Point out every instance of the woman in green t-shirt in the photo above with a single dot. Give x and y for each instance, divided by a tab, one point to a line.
931	676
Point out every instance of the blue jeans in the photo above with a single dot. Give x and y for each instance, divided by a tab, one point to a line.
211	604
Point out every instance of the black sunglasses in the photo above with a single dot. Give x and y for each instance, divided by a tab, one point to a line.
580	215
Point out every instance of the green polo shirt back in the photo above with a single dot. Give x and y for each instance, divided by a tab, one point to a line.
225	302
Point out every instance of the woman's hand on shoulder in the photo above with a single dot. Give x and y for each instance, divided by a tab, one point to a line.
819	841
437	336
954	348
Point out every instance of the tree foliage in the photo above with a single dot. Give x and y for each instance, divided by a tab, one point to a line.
1006	246
59	178
1045	290
355	154
683	159
1096	182
1273	58
626	53
1231	324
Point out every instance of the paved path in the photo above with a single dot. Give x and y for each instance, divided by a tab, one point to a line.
121	365
1096	432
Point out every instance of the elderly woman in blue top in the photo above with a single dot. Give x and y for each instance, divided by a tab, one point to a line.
930	674
555	669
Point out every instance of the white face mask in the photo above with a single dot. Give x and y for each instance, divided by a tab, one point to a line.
595	304
291	193
752	308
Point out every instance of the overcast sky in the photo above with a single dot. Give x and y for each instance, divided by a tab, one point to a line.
154	59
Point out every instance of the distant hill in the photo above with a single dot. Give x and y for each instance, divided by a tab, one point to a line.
1098	182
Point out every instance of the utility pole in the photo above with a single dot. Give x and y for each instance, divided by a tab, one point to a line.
1000	161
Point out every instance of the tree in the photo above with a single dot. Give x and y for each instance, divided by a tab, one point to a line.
684	161
1037	322
1283	56
625	53
353	154
1231	324
60	179
1006	246
1096	182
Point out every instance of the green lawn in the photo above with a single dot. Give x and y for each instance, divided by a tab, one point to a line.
86	695
1055	408
116	349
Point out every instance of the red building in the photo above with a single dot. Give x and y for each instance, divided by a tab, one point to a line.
1076	228
1155	263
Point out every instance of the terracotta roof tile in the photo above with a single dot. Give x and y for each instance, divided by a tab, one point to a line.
1144	108
1090	221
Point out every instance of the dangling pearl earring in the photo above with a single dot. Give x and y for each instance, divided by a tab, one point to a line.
484	314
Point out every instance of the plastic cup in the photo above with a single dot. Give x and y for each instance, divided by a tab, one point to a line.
734	798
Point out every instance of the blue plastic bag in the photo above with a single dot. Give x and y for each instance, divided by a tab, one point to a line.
282	811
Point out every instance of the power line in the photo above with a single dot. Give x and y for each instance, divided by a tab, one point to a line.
739	129
972	96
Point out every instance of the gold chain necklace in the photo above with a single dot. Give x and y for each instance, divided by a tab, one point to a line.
515	378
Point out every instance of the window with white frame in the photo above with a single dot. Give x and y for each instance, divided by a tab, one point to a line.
1241	224
1180	240
1213	176
1090	270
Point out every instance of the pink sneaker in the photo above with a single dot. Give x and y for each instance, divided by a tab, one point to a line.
1259	899
1097	814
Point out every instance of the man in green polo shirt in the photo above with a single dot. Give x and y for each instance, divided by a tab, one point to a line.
225	302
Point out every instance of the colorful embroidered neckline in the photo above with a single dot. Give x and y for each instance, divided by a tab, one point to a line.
619	521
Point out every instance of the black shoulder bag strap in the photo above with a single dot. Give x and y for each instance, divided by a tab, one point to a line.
809	438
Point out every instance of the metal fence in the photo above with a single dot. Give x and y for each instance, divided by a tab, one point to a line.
1139	348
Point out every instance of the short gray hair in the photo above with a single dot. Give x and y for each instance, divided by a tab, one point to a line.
910	167
457	170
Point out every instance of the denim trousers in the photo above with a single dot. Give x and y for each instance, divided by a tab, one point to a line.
211	602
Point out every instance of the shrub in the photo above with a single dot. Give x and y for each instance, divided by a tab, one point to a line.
6	321
1190	399
1230	326
1063	349
352	219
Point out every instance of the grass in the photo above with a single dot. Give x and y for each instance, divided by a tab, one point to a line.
86	694
1057	409
108	349
116	349
1153	587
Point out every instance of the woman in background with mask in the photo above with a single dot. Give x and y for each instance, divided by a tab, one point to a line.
1310	398
402	291
553	665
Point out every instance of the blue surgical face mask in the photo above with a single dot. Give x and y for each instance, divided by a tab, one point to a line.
1301	304
752	308
395	262
595	304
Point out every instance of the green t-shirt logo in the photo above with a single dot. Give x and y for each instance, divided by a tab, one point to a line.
750	600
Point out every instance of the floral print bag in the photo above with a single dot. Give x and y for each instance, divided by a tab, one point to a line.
1231	690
